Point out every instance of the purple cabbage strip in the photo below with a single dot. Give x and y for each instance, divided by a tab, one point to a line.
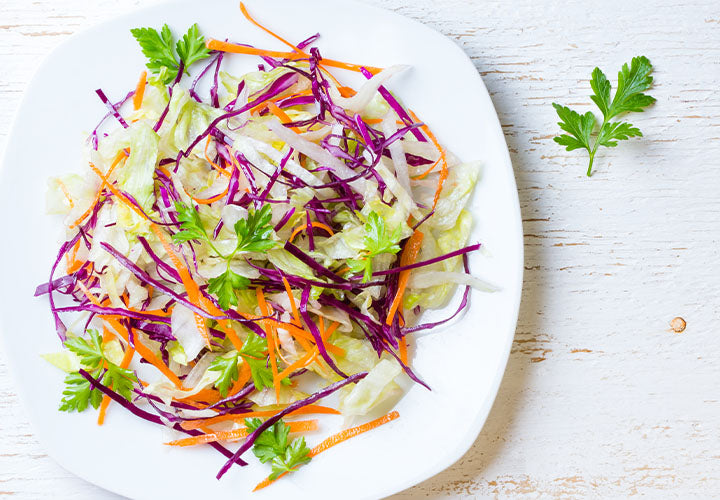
462	251
160	263
111	107
278	86
313	264
66	281
214	89
392	102
463	305
195	82
59	325
114	311
308	41
93	136
302	308
250	440
281	223
178	77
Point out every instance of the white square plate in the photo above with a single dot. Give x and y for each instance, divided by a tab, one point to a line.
462	362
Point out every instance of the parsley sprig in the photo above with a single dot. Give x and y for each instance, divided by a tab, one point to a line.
78	393
377	241
254	234
273	446
160	48
254	353
633	80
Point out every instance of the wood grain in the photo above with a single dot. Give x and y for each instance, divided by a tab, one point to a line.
601	398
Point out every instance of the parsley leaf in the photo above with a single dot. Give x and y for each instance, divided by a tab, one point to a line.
254	232
633	80
78	392
191	226
254	346
295	455
272	446
377	241
253	235
121	380
224	287
90	353
158	48
191	47
253	353
228	368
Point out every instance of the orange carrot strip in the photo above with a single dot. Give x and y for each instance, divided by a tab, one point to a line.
213	44
352	432
409	255
337	439
300	363
425	174
215	165
293	305
306	410
143	351
403	350
65	191
303	227
347	92
243	378
281	115
124	363
266	30
212	199
270	340
121	154
299	426
443	157
140	91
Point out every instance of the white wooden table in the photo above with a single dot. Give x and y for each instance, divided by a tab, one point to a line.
600	397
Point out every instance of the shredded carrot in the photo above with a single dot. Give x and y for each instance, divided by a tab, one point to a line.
243	378
291	297
444	172
140	91
269	334
207	157
305	410
65	191
403	350
352	432
409	256
219	46
206	395
124	363
247	15
281	115
337	439
425	174
347	92
303	227
212	199
235	434
121	155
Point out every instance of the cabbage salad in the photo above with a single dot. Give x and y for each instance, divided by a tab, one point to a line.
233	258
